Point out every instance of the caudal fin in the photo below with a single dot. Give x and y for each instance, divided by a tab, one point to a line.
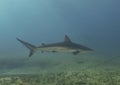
29	46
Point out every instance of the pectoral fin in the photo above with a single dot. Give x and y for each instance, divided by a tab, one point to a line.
76	52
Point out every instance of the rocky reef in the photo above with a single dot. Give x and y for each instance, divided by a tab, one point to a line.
63	78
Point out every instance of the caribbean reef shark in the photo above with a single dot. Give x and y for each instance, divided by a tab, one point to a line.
67	46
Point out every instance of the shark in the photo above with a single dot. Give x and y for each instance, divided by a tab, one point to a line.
66	46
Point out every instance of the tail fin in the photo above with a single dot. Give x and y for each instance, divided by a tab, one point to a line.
29	46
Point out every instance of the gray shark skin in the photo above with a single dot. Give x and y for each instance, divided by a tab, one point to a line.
67	46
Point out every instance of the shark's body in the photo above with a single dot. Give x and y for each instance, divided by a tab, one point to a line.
66	46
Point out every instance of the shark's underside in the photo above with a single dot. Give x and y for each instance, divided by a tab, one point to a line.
66	46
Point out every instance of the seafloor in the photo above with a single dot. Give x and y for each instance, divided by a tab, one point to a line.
60	69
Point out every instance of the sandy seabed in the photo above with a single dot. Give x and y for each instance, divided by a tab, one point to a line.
86	69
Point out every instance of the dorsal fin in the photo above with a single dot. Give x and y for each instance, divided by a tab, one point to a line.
43	44
67	39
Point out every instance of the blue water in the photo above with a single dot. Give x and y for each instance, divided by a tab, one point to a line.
93	23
